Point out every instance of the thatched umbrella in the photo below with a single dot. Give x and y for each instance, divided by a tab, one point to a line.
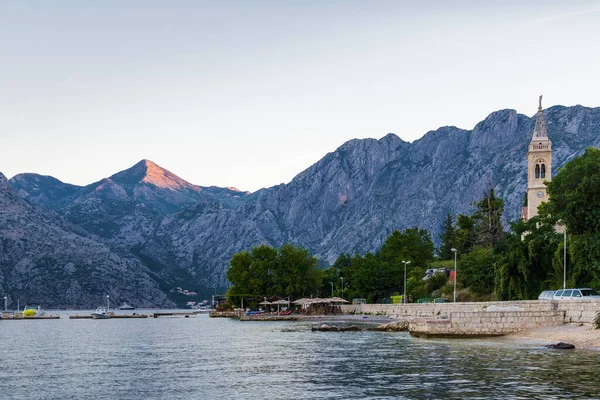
338	300
278	302
265	303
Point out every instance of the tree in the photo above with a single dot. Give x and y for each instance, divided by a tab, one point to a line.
340	268
575	194
477	270
487	220
465	235
448	237
575	201
266	272
413	244
296	272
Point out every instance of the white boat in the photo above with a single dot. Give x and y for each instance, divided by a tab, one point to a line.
126	306
101	313
33	311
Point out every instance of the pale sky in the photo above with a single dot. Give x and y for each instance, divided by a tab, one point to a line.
251	93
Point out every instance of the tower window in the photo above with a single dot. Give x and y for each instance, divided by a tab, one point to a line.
543	170
537	171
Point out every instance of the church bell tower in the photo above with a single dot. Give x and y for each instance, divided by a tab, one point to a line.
539	166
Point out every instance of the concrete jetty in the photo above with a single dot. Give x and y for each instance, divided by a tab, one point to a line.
129	316
21	317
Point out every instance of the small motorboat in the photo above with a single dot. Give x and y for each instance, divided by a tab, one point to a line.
101	313
33	311
126	306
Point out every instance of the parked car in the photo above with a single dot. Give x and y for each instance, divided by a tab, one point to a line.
576	294
546	295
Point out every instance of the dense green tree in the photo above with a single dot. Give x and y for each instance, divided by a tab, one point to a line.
374	276
465	235
487	221
413	244
371	278
266	272
477	270
296	272
575	202
448	237
575	194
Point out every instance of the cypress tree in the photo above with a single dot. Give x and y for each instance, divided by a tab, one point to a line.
448	237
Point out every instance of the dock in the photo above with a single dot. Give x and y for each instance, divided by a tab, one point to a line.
175	314
23	318
111	317
130	316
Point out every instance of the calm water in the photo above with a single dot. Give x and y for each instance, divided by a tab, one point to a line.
203	358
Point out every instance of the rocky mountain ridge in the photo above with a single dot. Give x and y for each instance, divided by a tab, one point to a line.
46	260
350	200
354	197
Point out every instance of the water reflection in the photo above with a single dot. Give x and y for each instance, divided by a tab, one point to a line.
180	358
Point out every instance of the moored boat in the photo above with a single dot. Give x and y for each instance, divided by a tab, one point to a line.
101	313
33	311
126	306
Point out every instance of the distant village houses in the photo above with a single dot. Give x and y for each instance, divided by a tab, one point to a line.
186	292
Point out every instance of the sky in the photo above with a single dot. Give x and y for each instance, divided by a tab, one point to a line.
248	94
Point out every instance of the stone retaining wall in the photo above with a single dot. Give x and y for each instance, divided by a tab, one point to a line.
582	311
484	323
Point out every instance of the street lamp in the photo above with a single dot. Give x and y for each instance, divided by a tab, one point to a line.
107	303
342	278
565	261
5	303
404	297
454	251
331	288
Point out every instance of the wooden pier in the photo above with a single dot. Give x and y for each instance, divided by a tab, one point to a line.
111	317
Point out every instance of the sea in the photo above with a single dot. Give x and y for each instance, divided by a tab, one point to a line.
217	358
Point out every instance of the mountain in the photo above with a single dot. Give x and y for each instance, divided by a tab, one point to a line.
131	200
46	260
350	200
354	197
44	191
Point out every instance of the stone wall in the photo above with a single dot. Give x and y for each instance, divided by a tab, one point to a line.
484	323
582	311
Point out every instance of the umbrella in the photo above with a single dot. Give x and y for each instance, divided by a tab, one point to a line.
338	300
265	303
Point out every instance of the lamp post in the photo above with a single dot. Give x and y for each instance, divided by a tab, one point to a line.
404	297
565	261
454	251
331	288
342	278
5	303
107	303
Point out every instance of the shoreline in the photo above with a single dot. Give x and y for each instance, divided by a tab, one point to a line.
347	318
581	336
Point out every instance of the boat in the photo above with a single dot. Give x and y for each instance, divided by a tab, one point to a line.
126	306
33	310
101	313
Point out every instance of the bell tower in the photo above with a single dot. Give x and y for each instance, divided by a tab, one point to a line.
539	166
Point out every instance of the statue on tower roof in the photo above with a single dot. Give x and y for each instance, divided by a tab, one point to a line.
540	107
